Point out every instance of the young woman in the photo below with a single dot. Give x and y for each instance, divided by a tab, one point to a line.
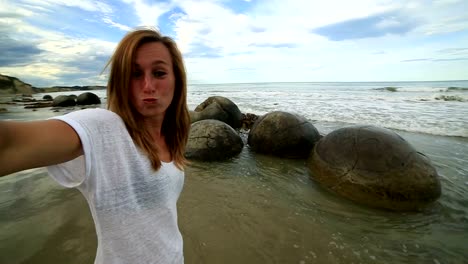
128	160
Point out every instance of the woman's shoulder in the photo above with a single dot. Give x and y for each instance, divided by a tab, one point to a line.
98	118
97	112
94	114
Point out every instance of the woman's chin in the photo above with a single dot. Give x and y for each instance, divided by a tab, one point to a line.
151	113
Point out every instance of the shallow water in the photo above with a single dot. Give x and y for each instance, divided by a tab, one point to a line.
259	209
252	209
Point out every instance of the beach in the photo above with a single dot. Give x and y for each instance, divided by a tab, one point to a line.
261	209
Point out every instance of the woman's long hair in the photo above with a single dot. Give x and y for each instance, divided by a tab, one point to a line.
176	124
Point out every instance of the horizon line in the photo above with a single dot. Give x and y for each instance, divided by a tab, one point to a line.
217	83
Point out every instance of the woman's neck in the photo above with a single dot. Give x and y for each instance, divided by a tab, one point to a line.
154	126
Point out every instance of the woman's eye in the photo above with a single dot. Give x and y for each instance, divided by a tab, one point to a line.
136	74
159	73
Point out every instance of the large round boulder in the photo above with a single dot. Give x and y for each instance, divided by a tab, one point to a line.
64	101
47	97
212	140
376	167
219	108
87	99
283	134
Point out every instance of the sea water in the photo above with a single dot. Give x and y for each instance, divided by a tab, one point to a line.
261	209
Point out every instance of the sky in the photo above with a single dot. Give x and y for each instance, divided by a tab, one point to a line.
62	42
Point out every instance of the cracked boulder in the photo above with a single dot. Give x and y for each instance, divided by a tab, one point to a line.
218	108
212	140
283	134
376	167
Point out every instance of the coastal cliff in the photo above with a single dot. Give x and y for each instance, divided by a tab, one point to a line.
11	85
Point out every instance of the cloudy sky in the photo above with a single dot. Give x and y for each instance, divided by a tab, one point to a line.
62	42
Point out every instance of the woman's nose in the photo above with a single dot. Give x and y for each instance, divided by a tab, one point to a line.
148	85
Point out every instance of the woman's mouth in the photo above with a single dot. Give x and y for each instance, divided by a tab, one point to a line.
150	100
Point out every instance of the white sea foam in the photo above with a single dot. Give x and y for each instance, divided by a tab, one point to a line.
415	109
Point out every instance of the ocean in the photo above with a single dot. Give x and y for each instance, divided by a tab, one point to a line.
261	209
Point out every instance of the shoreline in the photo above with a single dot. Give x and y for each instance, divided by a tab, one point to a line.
326	126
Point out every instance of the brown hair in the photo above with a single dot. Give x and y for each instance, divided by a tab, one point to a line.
176	124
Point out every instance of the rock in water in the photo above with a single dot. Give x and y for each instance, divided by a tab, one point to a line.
248	120
219	108
376	167
47	97
283	134
88	99
212	140
64	101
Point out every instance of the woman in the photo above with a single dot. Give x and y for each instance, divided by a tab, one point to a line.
127	161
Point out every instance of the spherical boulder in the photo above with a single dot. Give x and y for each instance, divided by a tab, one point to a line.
47	97
283	134
64	101
87	99
219	108
212	140
376	167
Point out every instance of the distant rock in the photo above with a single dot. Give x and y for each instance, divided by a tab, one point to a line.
3	110
39	105
73	88
23	99
47	97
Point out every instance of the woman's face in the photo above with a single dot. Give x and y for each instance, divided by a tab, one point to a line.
152	81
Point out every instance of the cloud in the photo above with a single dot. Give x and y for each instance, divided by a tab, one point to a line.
452	59
436	60
372	26
148	14
202	51
57	55
416	60
86	5
233	41
258	29
274	45
454	51
51	58
109	21
15	52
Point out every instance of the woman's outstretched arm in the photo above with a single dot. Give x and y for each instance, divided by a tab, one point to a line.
26	145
